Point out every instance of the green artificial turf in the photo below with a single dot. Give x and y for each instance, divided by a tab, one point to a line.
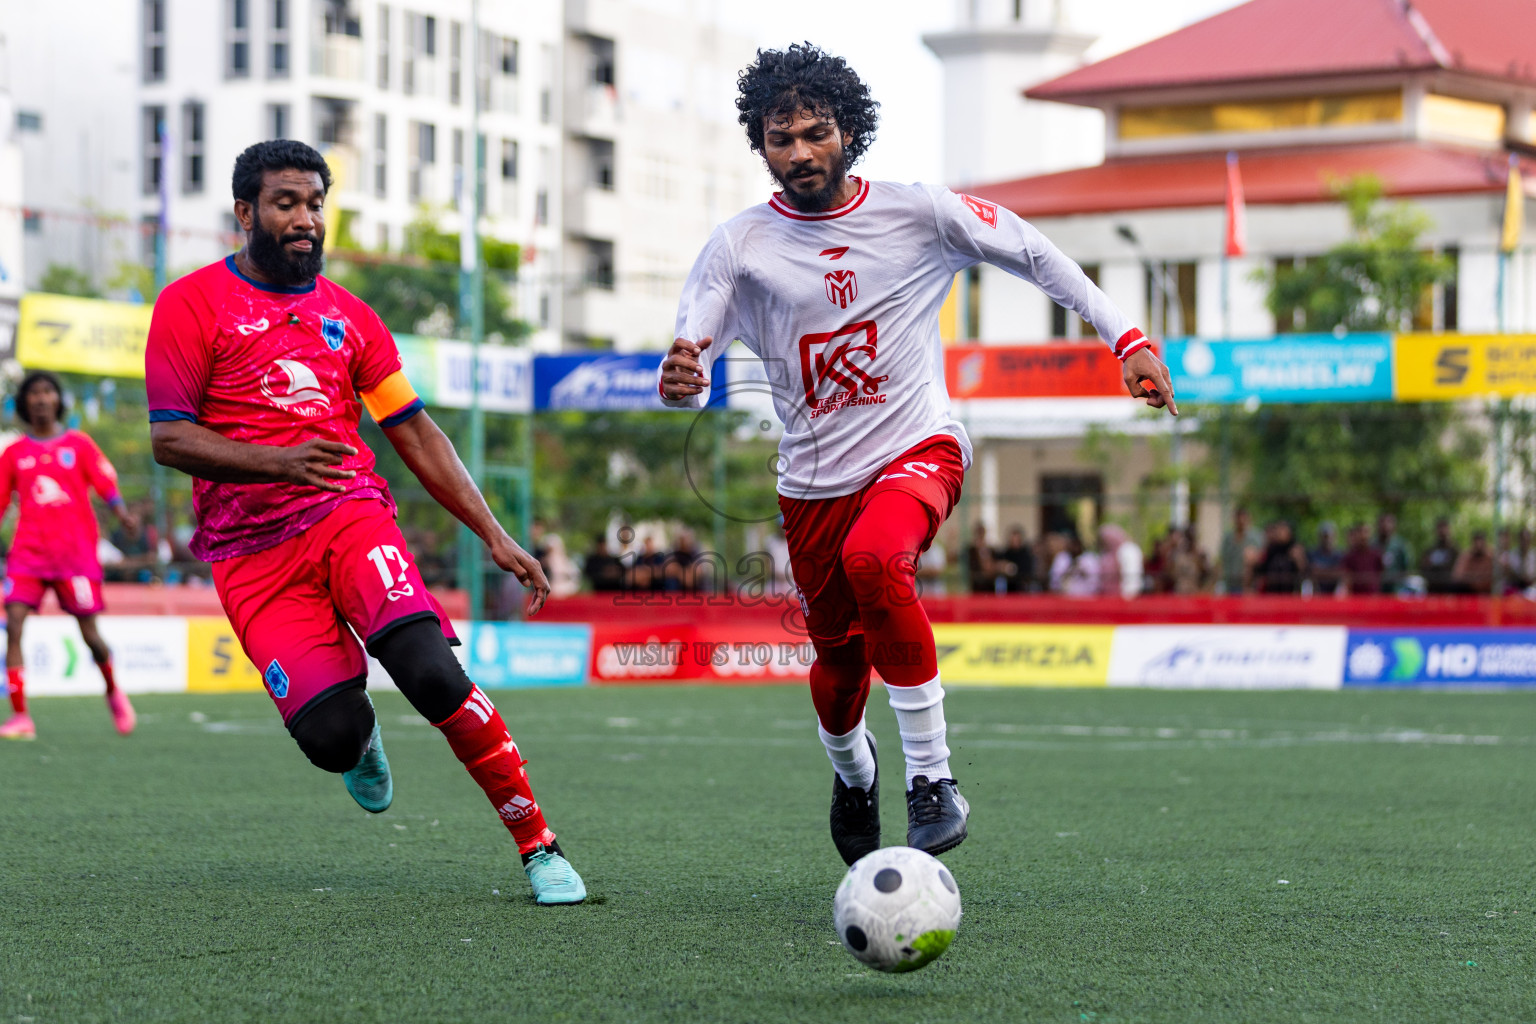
1134	856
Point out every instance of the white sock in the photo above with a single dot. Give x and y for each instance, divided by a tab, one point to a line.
850	756
920	718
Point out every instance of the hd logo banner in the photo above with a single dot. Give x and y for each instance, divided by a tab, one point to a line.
1441	657
1005	655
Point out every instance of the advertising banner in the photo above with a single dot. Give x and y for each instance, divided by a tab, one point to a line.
1441	657
1436	367
439	369
596	381
503	654
215	661
149	654
61	332
1056	370
1286	368
1019	655
745	653
1228	657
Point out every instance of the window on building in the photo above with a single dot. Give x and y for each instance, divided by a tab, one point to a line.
429	36
29	121
341	20
1171	299
600	264
1018	10
509	159
459	181
423	139
279	120
455	60
32	221
333	121
380	155
383	46
1450	291
152	121
154	40
420	49
277	40
547	85
192	180
601	158
1065	323
1071	504
237	38
600	61
507	57
149	231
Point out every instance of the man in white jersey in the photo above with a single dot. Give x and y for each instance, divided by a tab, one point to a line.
836	283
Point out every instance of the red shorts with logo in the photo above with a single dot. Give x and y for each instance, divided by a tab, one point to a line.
816	529
78	595
298	608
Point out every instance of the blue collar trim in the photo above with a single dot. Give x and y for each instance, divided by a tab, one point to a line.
229	261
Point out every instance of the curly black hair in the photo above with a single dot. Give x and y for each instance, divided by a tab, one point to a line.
30	381
806	77
274	155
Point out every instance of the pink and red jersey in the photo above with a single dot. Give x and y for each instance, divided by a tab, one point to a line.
53	478
265	364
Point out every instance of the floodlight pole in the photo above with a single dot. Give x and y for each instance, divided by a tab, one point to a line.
472	313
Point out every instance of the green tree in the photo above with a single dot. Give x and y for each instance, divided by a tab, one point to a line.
1348	461
62	279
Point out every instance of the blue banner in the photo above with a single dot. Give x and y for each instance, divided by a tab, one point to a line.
607	381
1440	657
503	654
1286	368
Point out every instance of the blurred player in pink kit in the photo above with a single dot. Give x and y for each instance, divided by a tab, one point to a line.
257	370
53	469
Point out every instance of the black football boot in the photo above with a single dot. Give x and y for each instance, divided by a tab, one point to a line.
936	814
856	813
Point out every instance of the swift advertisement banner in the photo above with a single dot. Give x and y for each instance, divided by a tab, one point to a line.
1086	369
1442	367
1441	657
1286	368
1228	657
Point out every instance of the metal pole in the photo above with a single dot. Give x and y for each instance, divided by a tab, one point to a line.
472	314
157	475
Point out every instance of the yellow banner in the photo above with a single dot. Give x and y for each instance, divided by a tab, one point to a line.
1436	367
60	332
215	662
1006	655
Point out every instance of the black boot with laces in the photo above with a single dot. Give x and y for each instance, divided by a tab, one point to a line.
936	815
856	814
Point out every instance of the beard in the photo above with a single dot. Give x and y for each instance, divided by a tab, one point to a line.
821	199
280	266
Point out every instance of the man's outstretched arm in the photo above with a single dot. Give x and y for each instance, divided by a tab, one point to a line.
430	455
198	451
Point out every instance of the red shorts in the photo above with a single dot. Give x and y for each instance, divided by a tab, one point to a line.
78	595
296	606
816	529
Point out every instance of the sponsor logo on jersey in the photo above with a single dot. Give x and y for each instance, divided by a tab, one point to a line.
276	680
26	462
838	368
255	328
835	253
518	808
67	458
289	384
842	288
46	491
334	332
981	208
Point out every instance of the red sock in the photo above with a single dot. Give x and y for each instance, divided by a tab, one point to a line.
480	740
880	557
16	684
108	675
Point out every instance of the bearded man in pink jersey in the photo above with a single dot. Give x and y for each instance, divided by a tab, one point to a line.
836	284
53	470
257	370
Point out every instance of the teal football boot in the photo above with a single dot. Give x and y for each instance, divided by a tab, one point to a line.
554	880
369	782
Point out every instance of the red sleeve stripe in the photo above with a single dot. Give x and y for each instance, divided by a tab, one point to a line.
1131	341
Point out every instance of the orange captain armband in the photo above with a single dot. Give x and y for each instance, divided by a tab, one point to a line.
394	401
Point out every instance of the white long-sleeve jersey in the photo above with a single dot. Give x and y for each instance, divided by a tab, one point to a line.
843	309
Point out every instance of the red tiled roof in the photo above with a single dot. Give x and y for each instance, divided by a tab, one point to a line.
1264	40
1269	176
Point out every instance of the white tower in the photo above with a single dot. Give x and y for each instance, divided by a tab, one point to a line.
997	49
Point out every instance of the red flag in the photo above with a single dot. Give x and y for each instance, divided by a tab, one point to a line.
1237	214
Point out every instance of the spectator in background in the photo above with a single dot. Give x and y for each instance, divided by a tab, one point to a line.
1283	562
1473	571
537	547
1019	560
1120	562
1046	549
137	546
1075	570
1187	569
683	567
647	571
930	571
982	566
1325	563
604	572
1362	565
1438	564
1396	559
1241	550
560	567
1520	563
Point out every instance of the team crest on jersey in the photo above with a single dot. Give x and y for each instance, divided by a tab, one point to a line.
334	332
67	458
289	384
842	288
276	680
981	208
838	368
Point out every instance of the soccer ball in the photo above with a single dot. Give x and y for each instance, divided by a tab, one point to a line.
897	909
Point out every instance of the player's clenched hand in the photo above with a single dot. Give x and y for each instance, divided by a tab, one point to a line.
681	372
317	463
1144	366
509	554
